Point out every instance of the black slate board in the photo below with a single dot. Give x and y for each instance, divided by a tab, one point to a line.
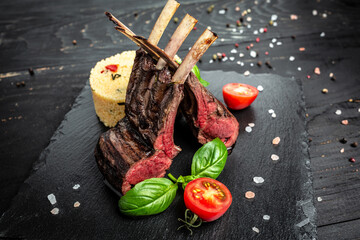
286	194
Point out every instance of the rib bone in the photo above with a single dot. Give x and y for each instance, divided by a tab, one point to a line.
176	40
154	51
199	48
162	21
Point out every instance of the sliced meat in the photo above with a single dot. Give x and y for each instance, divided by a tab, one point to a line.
206	115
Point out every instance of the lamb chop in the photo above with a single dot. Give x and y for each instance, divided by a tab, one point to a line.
141	146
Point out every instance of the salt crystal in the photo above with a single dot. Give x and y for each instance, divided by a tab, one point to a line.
317	71
260	88
76	204
241	55
222	11
241	31
52	198
276	141
231	58
322	34
246	73
251	124
76	186
293	17
261	30
258	180
248	129
345	122
256	32
279	43
211	61
268	1
342	150
266	217
249	194
233	50
253	54
271	111
359	110
338	112
324	15
248	26
314	12
274	40
233	30
274	17
222	39
273	115
271	45
251	64
255	229
275	24
319	199
237	8
299	69
249	19
291	58
331	75
225	59
55	211
240	63
275	157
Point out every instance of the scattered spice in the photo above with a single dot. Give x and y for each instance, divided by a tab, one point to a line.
319	199
342	150
293	17
317	71
325	90
76	186
266	217
338	112
352	160
267	63
76	204
247	73
210	9
52	199
302	49
259	63
343	140
260	88
354	144
345	122
255	229
251	124
276	141
257	39
248	129
176	19
293	37
112	67
74	42
236	45
31	72
291	58
249	194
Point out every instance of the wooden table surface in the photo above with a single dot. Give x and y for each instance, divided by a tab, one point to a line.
304	35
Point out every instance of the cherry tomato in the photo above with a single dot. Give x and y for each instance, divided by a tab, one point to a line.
239	95
207	198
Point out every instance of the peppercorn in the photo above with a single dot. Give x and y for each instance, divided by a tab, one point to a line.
343	140
227	25
74	42
176	20
352	159
267	63
31	71
354	144
259	63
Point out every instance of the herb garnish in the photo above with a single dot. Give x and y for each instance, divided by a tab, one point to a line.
155	195
196	71
115	76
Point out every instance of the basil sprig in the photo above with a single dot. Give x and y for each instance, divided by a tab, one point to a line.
148	197
196	71
154	195
209	160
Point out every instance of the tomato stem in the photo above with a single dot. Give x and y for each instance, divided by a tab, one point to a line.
174	179
190	221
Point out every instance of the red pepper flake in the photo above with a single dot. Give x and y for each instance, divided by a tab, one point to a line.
301	49
265	30
352	159
345	122
247	47
257	40
223	55
266	53
194	28
102	71
308	76
236	45
112	67
251	45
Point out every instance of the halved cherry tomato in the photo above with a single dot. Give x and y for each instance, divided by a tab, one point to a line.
239	95
207	198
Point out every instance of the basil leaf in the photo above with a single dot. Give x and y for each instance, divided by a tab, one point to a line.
210	159
148	197
196	71
188	179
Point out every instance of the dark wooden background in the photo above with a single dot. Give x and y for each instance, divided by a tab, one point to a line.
40	34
